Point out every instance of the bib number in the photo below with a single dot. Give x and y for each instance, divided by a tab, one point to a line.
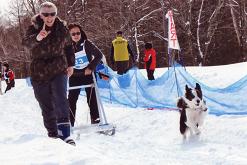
81	60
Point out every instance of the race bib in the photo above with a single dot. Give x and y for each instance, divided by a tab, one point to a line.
81	60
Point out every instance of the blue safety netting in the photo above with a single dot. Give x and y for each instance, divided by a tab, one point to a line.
134	90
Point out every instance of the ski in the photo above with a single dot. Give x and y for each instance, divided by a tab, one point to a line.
165	109
106	129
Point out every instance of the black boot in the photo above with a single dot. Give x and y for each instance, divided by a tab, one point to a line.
53	135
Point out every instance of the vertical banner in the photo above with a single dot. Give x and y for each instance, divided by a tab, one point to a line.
172	34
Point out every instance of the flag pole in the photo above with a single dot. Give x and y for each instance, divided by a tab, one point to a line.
172	43
1	73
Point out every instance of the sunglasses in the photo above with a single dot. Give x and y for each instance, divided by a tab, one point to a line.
49	14
76	33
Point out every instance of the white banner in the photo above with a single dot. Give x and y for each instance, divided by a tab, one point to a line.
172	34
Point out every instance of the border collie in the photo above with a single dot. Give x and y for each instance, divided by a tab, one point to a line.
192	110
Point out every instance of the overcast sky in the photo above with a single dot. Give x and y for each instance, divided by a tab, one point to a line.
4	5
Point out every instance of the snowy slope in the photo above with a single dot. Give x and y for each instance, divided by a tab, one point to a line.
143	137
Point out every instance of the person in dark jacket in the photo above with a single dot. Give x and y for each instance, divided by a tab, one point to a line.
52	56
87	57
150	60
8	76
120	51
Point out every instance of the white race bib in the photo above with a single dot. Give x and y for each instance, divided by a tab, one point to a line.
81	60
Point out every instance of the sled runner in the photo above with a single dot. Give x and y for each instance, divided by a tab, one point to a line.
107	129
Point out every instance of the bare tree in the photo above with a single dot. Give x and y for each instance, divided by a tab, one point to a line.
198	32
31	6
232	5
3	46
212	27
201	27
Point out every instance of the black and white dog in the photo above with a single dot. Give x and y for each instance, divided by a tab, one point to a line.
192	110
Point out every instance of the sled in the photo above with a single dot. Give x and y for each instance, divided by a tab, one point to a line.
103	127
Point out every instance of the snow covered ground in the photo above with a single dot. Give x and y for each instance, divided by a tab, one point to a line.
142	138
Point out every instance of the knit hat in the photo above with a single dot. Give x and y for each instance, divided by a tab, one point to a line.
119	32
148	45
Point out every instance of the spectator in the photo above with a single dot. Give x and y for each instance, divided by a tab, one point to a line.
150	60
8	76
120	53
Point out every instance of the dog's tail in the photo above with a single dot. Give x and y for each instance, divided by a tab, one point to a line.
183	119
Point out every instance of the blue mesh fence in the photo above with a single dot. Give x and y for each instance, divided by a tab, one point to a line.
134	90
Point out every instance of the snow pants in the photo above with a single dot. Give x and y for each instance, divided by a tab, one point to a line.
150	74
122	67
52	98
10	85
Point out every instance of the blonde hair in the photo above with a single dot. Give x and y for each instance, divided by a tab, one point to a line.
48	5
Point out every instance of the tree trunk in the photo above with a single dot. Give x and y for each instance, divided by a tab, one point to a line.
213	25
198	33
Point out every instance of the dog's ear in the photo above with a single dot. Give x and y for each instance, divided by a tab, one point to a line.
198	87
186	87
181	103
198	90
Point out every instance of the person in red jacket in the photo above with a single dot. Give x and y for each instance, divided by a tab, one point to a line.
150	60
8	76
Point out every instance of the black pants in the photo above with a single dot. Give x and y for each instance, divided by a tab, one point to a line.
150	74
91	101
52	98
10	85
122	67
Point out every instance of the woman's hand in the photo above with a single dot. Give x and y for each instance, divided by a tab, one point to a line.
70	71
88	71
